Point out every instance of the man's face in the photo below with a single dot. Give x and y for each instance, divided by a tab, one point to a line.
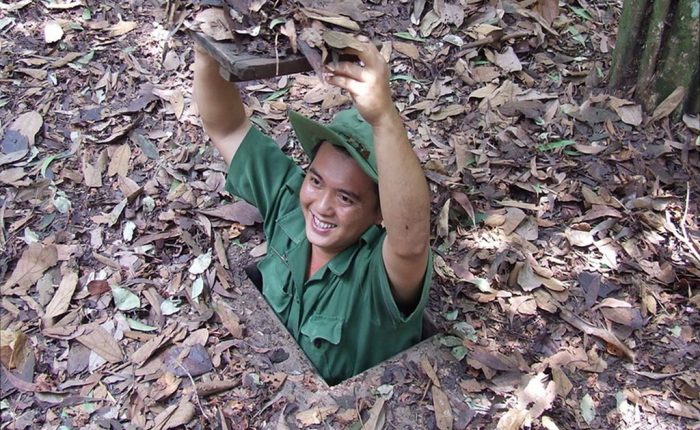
338	200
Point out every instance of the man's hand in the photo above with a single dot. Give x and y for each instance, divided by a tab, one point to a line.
367	83
219	104
403	190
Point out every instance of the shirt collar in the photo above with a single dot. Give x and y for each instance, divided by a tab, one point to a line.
293	226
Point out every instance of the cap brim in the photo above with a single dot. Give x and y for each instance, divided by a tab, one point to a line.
311	133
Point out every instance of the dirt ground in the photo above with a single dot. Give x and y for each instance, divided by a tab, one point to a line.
565	230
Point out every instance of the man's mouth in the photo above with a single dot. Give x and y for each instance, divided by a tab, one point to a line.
322	225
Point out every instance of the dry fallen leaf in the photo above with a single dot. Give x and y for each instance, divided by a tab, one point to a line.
61	300
103	343
121	28
443	411
119	165
35	260
12	343
314	416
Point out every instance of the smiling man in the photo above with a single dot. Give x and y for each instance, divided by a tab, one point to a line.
348	263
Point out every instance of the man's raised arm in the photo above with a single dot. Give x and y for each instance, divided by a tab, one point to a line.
220	106
403	190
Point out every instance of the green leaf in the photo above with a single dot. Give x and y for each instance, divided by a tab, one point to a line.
169	307
408	36
124	299
138	325
452	315
61	202
277	21
85	59
587	409
466	329
276	95
148	204
581	13
407	78
459	352
450	341
87	14
555	145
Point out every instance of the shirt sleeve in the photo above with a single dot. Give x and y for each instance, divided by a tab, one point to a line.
381	290
259	170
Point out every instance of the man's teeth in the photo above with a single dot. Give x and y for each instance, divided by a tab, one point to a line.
323	225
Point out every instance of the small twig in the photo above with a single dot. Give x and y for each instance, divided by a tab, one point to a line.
277	56
683	227
196	396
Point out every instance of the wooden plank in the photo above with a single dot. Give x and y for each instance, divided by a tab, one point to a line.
237	67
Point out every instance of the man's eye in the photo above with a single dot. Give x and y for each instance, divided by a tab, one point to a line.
314	181
345	199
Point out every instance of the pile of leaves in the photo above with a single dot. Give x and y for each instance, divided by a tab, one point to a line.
565	224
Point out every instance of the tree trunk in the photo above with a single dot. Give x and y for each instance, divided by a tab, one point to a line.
658	50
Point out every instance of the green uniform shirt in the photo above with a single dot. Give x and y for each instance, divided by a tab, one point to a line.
344	317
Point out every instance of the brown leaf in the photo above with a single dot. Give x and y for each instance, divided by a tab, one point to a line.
548	9
61	300
377	416
119	164
166	385
12	343
103	344
240	212
28	125
493	359
314	416
121	28
35	260
563	384
229	319
629	317
341	40
175	416
579	237
508	60
184	360
92	174
97	287
13	177
443	412
408	49
339	20
527	279
514	217
669	104
512	420
147	349
428	369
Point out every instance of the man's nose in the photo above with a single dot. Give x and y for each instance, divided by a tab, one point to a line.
324	204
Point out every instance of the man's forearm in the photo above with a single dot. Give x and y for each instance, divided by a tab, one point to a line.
219	104
403	190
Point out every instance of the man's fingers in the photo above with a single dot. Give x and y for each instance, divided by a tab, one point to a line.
348	84
351	70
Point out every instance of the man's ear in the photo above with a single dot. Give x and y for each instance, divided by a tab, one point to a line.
379	219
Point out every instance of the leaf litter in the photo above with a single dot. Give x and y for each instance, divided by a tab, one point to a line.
565	222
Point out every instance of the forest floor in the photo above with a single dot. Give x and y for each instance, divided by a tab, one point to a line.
565	226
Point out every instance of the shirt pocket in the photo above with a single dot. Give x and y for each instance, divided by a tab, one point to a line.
322	329
276	283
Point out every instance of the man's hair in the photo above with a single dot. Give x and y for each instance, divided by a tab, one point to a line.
344	151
